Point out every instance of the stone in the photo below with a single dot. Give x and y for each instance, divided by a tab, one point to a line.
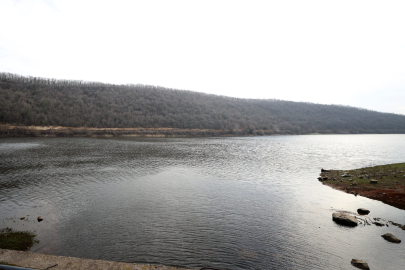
363	211
40	218
346	175
22	218
360	264
247	254
391	238
322	170
379	224
373	181
344	219
31	260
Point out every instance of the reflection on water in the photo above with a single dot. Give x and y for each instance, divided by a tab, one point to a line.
16	146
231	203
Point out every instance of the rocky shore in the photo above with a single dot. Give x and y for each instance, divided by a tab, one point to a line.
384	183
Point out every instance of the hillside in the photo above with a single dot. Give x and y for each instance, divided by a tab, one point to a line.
48	102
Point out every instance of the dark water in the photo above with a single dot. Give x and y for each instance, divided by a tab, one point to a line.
231	203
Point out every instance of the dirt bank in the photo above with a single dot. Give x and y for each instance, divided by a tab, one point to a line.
384	183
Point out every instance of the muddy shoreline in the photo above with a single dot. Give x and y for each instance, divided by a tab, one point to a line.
385	183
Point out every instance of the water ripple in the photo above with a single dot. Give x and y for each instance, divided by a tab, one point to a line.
231	203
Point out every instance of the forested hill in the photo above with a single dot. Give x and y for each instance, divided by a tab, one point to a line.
44	102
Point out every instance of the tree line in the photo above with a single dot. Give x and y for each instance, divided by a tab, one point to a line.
50	102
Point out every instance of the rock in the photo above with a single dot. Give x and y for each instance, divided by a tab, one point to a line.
247	254
344	219
373	181
391	238
360	264
363	211
322	170
379	224
22	218
346	175
323	178
354	183
40	218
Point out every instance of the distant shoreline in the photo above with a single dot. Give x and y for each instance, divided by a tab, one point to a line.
59	131
7	130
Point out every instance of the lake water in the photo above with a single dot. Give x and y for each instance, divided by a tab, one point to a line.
229	203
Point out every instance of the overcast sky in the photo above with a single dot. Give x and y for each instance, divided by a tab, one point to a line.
331	52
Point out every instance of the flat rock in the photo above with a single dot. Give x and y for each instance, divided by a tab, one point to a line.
31	260
344	219
391	238
363	211
373	181
360	264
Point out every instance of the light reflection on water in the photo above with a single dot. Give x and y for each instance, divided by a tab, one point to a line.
232	203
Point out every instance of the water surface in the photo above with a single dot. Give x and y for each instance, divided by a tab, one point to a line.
231	203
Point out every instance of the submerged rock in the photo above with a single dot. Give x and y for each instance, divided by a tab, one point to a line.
247	254
344	219
360	264
363	211
391	238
